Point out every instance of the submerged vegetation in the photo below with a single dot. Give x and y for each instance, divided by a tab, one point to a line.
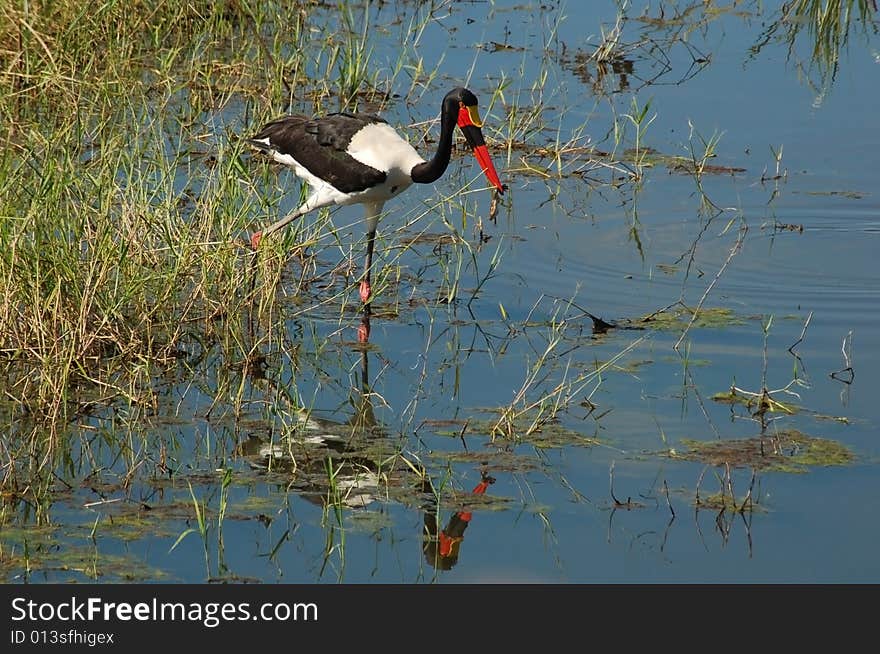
785	451
157	376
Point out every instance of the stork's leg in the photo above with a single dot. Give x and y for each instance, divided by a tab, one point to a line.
366	289
373	210
316	200
365	292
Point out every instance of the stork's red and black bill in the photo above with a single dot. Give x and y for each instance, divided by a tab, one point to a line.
469	123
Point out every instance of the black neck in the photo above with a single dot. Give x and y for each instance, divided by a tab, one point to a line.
431	171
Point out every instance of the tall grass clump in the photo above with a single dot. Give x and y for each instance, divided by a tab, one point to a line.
122	200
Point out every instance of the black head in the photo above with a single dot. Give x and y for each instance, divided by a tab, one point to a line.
462	104
460	96
459	108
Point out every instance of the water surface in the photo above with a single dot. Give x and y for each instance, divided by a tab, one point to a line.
439	374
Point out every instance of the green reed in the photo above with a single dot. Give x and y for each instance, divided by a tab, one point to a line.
125	202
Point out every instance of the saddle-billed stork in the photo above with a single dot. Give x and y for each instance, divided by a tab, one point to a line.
359	159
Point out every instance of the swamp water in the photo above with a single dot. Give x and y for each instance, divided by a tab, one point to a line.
655	360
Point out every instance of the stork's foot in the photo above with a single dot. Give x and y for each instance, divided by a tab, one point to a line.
255	239
365	291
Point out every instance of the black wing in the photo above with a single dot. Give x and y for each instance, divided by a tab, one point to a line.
320	144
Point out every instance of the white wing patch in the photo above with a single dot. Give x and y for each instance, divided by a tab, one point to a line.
377	145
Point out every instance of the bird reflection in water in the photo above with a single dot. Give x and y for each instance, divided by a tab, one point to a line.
332	462
345	464
442	547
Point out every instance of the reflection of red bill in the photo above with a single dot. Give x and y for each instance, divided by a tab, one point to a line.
478	490
481	152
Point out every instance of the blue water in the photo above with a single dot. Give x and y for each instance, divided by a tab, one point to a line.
561	240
